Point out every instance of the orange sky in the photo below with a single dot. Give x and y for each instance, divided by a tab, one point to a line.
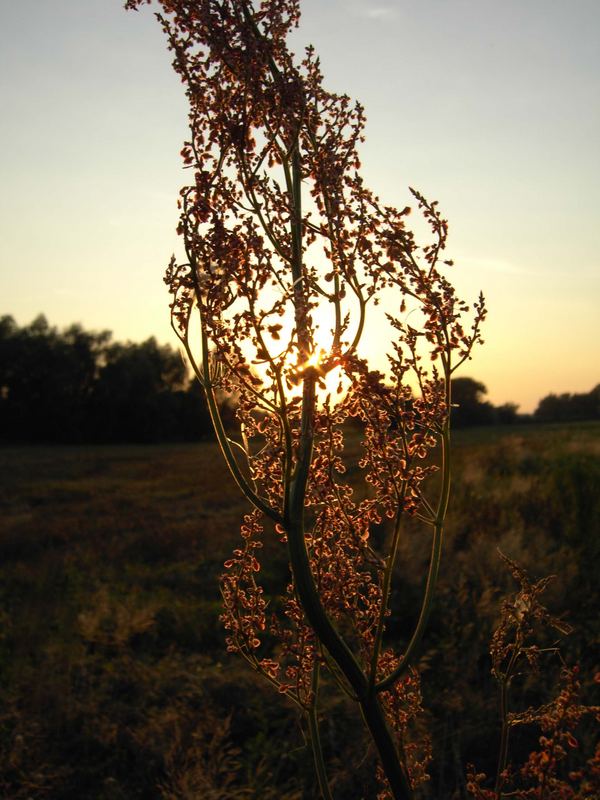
491	108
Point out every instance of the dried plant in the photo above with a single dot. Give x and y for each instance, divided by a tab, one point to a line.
516	652
292	264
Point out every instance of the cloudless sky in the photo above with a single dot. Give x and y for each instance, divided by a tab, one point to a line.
490	107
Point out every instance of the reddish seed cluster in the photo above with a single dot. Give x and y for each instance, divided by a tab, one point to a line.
516	649
280	234
404	709
522	616
542	776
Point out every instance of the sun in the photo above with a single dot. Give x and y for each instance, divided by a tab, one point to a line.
332	382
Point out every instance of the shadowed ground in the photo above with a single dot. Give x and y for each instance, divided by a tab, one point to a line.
115	679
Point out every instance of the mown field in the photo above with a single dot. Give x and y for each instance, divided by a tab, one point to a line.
114	676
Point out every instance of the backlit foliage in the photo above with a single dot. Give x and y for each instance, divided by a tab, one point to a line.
517	651
290	260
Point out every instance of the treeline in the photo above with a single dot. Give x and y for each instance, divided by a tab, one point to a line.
470	408
76	386
569	407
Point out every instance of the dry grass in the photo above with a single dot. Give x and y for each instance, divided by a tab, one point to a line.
111	654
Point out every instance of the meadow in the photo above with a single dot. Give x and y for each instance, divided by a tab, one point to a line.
115	680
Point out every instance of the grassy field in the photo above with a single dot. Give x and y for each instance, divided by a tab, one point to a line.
115	680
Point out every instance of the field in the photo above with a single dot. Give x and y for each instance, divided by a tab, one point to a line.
115	680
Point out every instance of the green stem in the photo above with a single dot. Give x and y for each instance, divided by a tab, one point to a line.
315	737
503	753
304	582
385	595
224	444
317	616
374	718
505	732
434	567
299	559
296	494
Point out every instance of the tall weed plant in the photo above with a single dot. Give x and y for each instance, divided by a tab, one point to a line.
290	260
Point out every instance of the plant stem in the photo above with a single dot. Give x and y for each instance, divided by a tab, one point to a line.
315	737
304	582
387	580
504	687
503	753
382	737
317	616
299	559
434	567
224	444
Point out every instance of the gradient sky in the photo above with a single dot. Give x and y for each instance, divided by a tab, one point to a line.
491	107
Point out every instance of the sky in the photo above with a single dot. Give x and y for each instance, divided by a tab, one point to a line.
490	107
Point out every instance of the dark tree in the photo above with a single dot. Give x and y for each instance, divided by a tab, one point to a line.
506	414
569	407
133	394
468	406
78	386
46	379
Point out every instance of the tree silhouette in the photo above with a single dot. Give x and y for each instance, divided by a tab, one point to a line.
569	407
468	406
47	380
78	386
133	393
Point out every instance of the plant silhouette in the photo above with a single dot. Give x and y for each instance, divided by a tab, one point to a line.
290	260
